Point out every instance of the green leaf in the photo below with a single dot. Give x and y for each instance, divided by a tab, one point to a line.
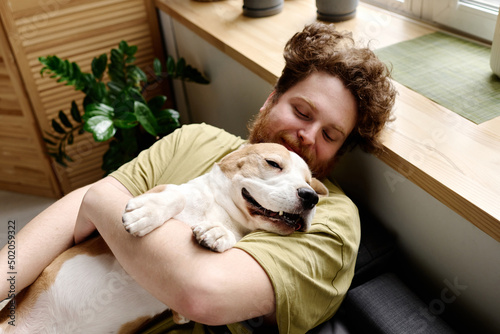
135	74
121	150
64	119
157	102
75	113
167	114
136	95
126	49
179	69
84	82
99	66
115	87
97	91
185	72
123	46
98	109
192	74
168	121
101	127
129	60
125	120
146	118
83	79
63	71
117	54
68	68
57	127
157	67
117	75
117	65
171	66
43	61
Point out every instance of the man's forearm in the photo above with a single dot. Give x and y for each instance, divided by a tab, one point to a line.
41	240
103	206
208	287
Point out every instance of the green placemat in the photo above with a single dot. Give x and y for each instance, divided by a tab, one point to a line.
452	72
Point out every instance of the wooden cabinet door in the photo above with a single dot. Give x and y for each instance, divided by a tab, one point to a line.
77	30
24	165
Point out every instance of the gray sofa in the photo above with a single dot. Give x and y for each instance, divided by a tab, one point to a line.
379	301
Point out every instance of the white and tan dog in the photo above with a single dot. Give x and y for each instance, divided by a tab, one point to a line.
85	290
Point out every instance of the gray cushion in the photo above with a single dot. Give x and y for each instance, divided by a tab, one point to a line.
376	250
385	305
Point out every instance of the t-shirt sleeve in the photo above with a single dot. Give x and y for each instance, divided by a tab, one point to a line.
311	271
183	155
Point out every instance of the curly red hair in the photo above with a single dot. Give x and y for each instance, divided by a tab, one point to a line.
322	48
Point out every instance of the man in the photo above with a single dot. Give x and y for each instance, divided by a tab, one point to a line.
331	96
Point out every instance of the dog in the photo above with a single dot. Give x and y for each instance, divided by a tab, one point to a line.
85	290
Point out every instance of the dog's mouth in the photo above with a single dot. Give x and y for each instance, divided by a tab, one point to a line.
292	220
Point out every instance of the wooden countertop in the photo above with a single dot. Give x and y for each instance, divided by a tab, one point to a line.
453	159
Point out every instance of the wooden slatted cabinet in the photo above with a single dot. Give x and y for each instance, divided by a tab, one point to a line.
77	30
24	166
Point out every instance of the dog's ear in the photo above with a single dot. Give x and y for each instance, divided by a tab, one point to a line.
319	187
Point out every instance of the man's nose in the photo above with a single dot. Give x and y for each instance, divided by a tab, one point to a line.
308	135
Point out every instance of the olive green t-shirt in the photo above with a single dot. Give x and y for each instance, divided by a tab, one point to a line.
310	272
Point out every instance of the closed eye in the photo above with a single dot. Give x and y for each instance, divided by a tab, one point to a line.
300	113
328	138
274	164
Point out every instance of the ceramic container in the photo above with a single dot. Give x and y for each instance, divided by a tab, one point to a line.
336	10
262	8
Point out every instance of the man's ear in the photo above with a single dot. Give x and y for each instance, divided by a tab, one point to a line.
319	187
268	100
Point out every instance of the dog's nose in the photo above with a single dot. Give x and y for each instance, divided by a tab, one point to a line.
309	198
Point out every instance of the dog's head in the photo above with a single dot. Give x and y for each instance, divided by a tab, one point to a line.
273	187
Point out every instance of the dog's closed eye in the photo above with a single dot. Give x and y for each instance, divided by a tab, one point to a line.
274	164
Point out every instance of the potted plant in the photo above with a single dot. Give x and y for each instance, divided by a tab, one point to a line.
115	110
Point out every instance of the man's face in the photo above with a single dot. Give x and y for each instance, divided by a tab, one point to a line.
313	119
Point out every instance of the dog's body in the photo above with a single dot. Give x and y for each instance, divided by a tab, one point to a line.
85	289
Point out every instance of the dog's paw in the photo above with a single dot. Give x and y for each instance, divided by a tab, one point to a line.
214	236
143	214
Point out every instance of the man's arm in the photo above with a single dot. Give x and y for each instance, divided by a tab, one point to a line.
207	287
42	239
45	237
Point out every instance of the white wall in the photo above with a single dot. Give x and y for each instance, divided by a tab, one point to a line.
446	247
234	94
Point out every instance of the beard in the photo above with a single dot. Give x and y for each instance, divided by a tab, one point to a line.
262	131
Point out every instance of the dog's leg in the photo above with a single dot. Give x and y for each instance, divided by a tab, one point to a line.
148	211
214	236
